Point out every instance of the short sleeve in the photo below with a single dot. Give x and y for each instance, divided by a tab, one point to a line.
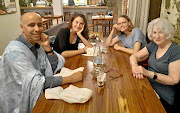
150	47
175	53
138	35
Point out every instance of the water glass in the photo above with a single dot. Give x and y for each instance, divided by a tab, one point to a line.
101	78
103	48
96	71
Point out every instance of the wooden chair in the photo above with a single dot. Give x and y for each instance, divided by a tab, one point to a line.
100	22
89	20
46	23
144	63
90	26
89	17
52	17
107	25
66	16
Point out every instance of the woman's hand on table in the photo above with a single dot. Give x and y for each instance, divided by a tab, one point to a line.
138	71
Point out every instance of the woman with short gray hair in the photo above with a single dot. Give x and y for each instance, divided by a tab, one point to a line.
163	64
164	25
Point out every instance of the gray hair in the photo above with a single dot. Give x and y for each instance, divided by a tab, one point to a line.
164	25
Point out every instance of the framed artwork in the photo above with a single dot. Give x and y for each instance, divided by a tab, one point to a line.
7	7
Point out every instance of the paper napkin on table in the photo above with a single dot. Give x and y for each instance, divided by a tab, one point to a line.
72	94
90	52
53	93
67	72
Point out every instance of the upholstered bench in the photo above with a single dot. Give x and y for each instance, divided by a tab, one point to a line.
53	31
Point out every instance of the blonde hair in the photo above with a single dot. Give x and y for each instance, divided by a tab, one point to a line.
131	27
164	25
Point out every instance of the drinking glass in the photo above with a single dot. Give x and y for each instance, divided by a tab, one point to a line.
103	48
101	78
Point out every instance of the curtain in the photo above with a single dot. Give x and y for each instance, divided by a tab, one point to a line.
138	11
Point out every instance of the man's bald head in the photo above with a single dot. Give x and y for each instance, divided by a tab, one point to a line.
29	15
31	26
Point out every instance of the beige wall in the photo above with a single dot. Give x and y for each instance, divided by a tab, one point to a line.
9	28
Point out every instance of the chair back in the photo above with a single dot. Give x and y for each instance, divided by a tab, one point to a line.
54	30
177	96
101	13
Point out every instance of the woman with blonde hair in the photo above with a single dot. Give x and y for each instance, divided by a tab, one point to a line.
163	64
132	38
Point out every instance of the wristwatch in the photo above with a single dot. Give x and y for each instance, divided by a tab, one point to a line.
49	51
155	76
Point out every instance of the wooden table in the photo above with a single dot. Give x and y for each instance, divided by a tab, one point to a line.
45	22
51	17
124	94
103	20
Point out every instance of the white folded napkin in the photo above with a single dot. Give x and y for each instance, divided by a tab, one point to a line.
68	72
71	94
53	93
90	52
81	46
74	94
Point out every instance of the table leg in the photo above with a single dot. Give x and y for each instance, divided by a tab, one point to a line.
111	24
93	24
57	21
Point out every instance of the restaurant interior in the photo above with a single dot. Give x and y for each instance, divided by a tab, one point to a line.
140	11
101	15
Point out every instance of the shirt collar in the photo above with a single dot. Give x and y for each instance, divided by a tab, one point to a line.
22	39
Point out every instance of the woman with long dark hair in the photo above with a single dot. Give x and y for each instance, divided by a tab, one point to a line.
67	40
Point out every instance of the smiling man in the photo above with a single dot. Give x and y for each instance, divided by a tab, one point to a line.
27	67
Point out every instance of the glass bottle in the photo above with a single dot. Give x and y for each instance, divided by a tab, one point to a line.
97	59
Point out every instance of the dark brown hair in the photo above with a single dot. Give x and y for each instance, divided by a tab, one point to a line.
129	20
85	31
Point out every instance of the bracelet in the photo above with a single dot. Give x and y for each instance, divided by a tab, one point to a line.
155	76
49	51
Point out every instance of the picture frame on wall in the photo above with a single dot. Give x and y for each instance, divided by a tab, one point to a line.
7	7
